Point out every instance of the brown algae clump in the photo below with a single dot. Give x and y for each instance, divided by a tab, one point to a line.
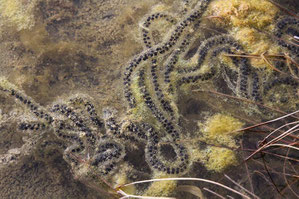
221	129
217	158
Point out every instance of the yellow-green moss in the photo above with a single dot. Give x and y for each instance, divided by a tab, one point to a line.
243	13
161	188
121	178
245	20
217	159
4	84
221	129
18	13
256	43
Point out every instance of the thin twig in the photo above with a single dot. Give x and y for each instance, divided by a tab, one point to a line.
292	13
276	172
285	177
277	130
250	102
187	179
291	60
283	145
283	135
213	192
269	64
125	195
274	154
271	142
246	167
238	185
266	168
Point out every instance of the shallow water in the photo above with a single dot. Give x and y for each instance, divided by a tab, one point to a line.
117	95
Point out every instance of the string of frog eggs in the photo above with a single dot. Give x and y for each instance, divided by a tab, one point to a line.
245	82
97	140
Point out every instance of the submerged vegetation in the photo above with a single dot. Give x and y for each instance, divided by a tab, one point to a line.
191	106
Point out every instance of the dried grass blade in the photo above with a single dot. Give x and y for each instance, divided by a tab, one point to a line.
191	189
